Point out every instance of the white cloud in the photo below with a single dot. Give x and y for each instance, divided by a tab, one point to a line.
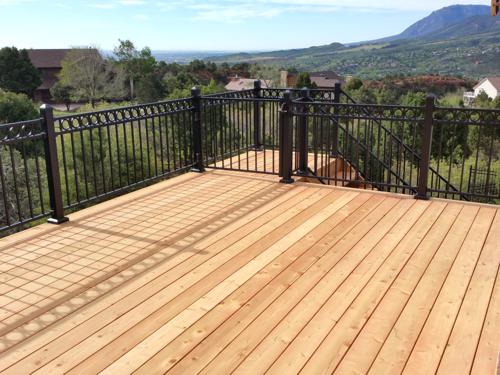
236	11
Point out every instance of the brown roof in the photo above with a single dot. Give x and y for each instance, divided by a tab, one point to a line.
327	74
47	58
325	79
495	81
239	84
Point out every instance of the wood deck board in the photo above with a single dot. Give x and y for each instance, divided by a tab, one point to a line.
229	271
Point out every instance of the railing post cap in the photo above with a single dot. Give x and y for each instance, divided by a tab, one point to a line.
195	91
45	107
431	97
304	92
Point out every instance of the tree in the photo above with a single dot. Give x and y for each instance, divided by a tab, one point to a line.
62	93
354	84
366	96
16	107
304	80
92	77
137	65
17	73
482	100
149	89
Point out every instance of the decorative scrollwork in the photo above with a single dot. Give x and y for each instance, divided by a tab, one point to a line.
116	116
466	116
21	131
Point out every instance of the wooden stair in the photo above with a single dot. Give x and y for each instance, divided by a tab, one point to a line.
339	171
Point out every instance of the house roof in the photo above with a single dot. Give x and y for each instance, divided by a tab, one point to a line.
327	74
239	84
495	81
325	79
47	58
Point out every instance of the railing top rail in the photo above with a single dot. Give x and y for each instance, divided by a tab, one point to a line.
128	108
301	101
20	123
230	93
460	109
21	130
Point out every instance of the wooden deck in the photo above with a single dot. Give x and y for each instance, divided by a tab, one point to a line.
233	272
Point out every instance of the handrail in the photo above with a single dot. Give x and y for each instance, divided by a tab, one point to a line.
381	162
409	149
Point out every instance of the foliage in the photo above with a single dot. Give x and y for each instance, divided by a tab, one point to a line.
474	56
354	84
211	88
16	107
91	76
62	93
18	196
17	73
304	80
140	67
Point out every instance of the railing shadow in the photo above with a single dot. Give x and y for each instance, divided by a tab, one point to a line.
154	254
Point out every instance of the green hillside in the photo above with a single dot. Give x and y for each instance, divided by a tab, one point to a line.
468	47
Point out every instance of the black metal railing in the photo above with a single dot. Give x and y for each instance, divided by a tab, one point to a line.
49	165
420	150
23	174
240	131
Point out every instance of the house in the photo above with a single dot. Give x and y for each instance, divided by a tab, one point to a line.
323	79
240	84
48	62
489	85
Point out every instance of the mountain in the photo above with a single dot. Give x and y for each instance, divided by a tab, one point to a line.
439	20
474	25
456	40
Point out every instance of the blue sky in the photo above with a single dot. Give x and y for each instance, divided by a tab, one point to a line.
206	24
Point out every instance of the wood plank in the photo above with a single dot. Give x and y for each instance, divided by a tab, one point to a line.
249	247
254	276
34	304
375	326
372	271
318	290
191	237
398	345
462	344
313	321
210	346
171	329
427	352
274	279
171	269
487	358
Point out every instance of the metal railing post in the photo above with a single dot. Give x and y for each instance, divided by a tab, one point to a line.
425	153
286	139
335	130
302	134
52	165
196	124
257	128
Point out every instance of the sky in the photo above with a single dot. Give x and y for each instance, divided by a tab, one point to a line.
211	25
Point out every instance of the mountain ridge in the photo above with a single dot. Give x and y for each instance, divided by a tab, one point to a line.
439	19
459	39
